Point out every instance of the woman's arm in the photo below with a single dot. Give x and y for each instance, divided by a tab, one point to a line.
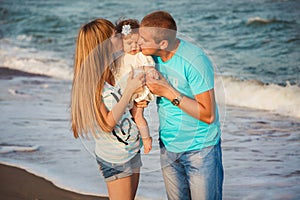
114	115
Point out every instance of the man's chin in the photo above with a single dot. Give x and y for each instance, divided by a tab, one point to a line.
145	52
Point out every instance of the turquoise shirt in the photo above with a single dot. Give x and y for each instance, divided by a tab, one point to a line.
190	72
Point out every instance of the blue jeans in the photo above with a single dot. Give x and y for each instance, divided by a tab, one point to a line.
194	174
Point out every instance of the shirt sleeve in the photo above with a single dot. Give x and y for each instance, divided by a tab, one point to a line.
201	75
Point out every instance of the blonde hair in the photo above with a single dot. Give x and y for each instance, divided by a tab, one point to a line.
92	67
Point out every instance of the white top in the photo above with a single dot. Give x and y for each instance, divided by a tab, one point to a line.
136	62
123	142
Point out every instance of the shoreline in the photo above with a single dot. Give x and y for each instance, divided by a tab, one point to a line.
7	73
17	183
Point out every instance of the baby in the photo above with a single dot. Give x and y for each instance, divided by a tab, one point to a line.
134	60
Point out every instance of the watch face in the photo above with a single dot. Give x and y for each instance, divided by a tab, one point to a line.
175	102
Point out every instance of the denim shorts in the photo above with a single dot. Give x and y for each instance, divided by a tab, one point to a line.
112	171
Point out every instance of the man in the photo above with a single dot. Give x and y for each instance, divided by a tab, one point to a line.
189	131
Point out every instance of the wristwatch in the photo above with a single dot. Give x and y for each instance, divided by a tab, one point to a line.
177	100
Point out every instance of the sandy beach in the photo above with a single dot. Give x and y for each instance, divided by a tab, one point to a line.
17	184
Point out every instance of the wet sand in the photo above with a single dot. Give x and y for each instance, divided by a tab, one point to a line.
17	184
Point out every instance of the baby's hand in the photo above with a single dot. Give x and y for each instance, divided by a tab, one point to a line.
147	142
153	73
141	104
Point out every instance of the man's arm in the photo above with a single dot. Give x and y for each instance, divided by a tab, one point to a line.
201	108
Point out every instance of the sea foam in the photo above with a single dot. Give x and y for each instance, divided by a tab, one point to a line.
17	148
34	61
283	100
263	21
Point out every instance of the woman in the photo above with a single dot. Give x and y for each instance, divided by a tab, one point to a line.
99	108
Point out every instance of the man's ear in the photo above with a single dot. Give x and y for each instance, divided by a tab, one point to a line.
163	44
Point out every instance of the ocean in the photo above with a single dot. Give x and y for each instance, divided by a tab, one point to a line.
255	49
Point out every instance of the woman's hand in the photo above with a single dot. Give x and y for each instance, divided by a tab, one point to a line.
135	83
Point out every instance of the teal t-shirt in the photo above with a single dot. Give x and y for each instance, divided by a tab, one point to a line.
190	72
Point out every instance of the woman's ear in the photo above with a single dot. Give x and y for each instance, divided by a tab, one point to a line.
163	44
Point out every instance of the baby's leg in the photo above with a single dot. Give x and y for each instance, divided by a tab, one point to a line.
147	142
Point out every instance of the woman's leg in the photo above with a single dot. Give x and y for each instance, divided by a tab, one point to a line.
123	188
135	181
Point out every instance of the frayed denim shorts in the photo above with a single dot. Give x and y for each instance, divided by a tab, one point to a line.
112	171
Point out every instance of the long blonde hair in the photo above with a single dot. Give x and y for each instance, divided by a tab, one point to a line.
92	67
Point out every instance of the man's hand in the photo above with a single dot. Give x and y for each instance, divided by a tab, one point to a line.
158	84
